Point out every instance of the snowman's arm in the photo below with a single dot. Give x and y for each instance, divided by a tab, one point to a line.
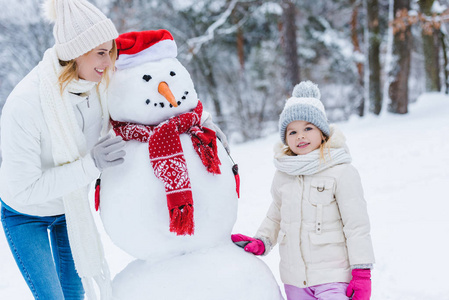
206	121
205	117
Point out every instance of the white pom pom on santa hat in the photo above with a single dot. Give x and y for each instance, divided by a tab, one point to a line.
138	47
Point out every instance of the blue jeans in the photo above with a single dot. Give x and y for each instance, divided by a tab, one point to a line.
40	246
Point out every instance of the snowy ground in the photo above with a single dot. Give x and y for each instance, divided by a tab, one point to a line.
404	164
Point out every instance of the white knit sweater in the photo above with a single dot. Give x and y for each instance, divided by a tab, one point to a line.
29	181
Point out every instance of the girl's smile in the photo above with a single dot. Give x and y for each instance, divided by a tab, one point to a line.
303	145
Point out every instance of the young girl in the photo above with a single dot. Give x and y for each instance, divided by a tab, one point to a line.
50	128
318	214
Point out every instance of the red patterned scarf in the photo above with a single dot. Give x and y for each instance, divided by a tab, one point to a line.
168	161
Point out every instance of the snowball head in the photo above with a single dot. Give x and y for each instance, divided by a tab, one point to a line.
134	97
304	105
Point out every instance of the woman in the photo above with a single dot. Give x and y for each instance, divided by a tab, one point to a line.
50	127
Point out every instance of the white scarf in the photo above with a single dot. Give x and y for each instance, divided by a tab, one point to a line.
68	145
311	163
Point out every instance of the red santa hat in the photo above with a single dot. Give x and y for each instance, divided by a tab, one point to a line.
138	47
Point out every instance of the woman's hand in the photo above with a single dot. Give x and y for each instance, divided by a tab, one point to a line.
108	152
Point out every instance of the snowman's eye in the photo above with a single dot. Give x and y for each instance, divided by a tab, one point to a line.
146	78
172	73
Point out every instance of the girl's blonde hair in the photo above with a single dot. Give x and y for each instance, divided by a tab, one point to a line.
324	148
70	69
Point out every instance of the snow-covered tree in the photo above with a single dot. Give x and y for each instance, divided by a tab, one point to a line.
23	40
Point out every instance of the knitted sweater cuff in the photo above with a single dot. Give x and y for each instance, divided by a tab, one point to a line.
362	266
266	242
89	167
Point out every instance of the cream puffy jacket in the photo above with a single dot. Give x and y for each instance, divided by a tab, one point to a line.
30	183
321	224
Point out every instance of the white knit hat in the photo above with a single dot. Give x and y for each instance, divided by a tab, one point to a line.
79	27
304	105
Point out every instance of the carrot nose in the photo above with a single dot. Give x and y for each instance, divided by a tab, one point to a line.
165	91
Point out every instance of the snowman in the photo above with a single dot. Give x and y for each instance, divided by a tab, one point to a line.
172	204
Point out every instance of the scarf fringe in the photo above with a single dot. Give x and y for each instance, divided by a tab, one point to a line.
89	288
205	144
102	281
181	220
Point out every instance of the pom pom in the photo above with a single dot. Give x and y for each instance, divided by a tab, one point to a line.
337	138
49	10
306	89
279	149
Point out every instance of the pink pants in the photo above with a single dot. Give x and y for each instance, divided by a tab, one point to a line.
327	291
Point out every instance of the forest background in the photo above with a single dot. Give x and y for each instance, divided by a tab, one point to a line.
367	56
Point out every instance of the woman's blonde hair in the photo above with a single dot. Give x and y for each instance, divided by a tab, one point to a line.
70	69
325	145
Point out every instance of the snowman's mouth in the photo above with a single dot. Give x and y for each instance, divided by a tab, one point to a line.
178	102
164	104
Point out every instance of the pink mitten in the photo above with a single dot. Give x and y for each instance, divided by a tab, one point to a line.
360	286
250	244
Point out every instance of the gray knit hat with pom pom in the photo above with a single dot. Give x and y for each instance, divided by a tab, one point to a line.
304	105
